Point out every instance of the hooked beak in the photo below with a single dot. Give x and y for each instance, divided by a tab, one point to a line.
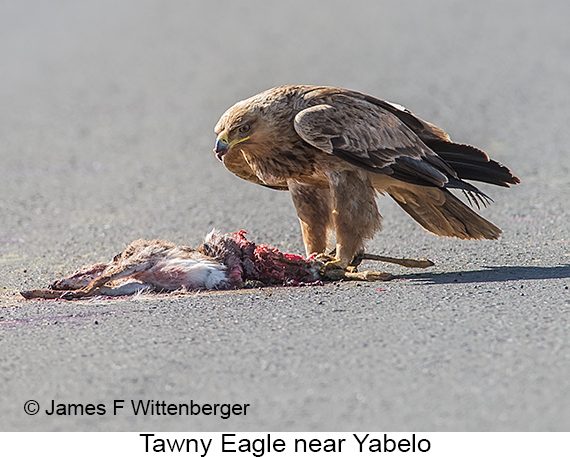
223	145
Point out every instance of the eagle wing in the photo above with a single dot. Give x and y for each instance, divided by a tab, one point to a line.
372	137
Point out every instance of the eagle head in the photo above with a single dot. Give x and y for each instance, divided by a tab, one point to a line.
258	122
235	127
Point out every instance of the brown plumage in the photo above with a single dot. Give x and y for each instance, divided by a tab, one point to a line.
333	149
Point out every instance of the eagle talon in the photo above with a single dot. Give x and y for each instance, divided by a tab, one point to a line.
334	265
325	258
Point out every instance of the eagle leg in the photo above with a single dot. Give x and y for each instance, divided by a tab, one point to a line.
354	213
313	205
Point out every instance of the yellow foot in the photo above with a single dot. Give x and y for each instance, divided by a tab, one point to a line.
335	269
325	258
330	265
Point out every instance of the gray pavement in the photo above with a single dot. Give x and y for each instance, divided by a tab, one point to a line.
106	118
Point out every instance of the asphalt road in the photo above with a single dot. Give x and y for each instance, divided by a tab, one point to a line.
106	131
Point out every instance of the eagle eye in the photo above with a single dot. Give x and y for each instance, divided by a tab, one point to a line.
244	128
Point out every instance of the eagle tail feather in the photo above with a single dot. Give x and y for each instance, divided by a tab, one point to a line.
443	214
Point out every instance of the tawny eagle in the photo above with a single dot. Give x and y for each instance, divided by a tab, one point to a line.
334	149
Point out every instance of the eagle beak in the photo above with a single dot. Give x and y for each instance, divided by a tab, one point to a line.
222	145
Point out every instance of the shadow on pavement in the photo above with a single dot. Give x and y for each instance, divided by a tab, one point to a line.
492	274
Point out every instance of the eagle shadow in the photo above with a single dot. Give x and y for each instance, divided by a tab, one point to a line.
492	274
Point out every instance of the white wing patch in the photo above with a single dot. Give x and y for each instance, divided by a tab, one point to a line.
397	106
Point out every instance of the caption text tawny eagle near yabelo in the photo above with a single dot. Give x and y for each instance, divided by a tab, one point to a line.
333	149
